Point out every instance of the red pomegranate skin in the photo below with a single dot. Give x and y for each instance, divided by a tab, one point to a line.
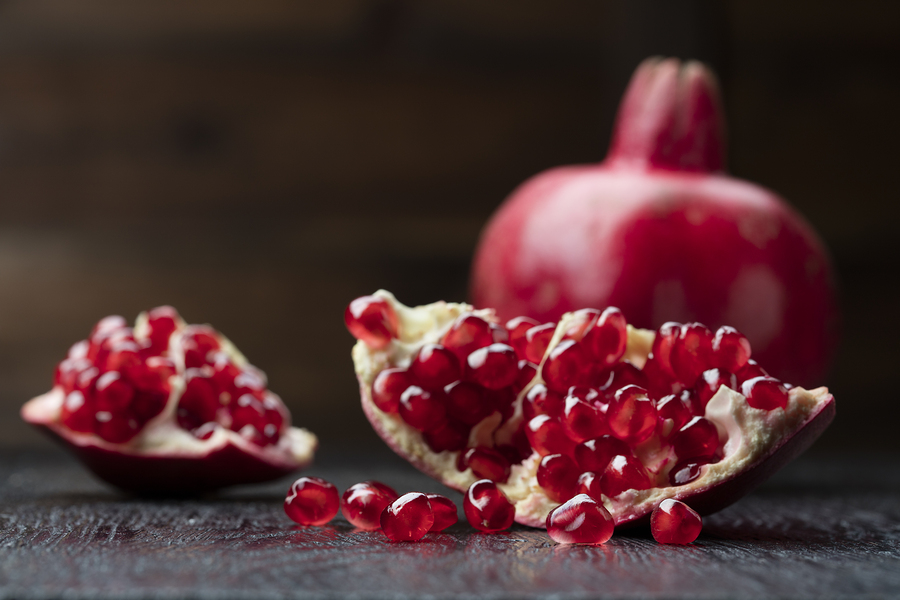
659	230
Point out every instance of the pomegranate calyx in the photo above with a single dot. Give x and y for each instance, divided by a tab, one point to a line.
670	119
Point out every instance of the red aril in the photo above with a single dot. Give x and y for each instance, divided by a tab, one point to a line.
624	472
731	349
765	393
536	341
517	328
388	387
494	367
372	319
487	463
594	455
709	383
660	231
467	334
434	367
698	439
487	508
311	501
363	503
422	409
581	520
547	436
444	511
631	415
557	474
674	522
582	420
589	483
408	518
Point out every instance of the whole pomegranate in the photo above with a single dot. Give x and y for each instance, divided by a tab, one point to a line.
660	231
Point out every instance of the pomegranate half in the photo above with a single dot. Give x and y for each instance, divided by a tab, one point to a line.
168	408
659	230
628	416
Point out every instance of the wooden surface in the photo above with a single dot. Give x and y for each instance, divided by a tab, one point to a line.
820	529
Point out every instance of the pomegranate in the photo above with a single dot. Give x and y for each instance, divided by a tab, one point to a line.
660	231
628	426
166	407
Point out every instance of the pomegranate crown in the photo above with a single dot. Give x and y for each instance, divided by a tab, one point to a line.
670	118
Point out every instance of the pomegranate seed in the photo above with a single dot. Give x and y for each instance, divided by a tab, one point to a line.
673	412
580	322
123	357
659	383
765	393
444	511
557	475
527	371
665	338
467	403
198	404
594	455
684	473
588	394
607	337
487	508
467	334
709	383
153	375
487	463
692	352
699	438
147	404
581	520
363	503
624	472
434	367
541	401
372	320
449	436
387	388
631	415
565	366
67	372
77	414
731	349
199	341
547	436
247	415
408	518
536	341
620	375
589	483
494	367
581	421
422	409
518	448
115	428
517	328
499	335
674	522
107	325
161	322
311	501
112	393
750	371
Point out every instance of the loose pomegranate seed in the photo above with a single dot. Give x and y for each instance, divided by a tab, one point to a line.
699	438
115	428
631	415
487	463
434	367
527	371
709	383
494	367
765	393
731	349
77	414
541	401
589	483
311	501
421	409
372	320
408	518
162	322
674	522
594	455
444	511
467	334
467	403
607	337
517	328
363	503
487	508
581	421
624	472
387	388
199	341
565	366
448	436
665	338
673	412
581	520
692	352
684	473
750	371
547	436
557	475
536	341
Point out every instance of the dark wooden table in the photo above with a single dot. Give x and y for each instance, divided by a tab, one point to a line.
820	529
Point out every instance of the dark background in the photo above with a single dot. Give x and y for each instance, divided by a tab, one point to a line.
260	164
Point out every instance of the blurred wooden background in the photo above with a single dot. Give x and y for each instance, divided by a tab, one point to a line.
259	164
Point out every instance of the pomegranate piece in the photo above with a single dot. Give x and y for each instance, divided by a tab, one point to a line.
311	501
363	503
444	511
408	518
580	520
674	522
487	508
167	407
372	320
558	477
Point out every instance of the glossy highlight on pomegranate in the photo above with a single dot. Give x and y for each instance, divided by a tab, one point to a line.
168	408
629	425
660	231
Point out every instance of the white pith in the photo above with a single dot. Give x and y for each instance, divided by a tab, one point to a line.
751	433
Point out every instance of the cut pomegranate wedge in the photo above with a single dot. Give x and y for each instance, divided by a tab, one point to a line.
168	408
628	416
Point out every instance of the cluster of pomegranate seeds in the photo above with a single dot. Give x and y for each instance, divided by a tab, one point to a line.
580	520
116	381
311	501
674	522
487	508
